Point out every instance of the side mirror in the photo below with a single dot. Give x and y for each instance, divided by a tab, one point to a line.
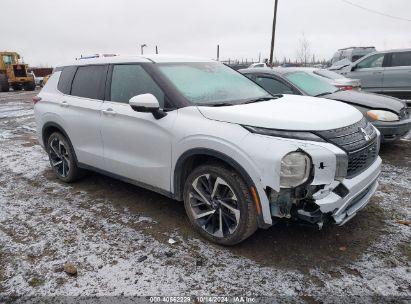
147	103
353	68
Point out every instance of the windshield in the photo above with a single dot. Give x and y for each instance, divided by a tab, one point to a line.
205	83
310	84
7	59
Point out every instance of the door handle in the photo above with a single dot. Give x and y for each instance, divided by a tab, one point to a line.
376	73
64	104
109	111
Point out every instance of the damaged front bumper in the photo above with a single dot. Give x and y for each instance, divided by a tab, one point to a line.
344	205
337	202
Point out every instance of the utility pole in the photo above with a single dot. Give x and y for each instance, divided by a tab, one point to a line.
218	52
273	33
142	48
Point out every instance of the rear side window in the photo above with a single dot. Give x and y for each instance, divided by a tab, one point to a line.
401	59
273	85
66	78
129	80
89	81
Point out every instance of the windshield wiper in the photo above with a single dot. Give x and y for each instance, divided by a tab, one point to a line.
262	99
216	104
322	94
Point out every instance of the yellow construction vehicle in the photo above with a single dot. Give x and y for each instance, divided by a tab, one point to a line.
14	74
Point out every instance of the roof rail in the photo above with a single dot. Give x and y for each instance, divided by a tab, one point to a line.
357	47
95	56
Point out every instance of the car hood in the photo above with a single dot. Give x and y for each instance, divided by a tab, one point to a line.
290	112
368	100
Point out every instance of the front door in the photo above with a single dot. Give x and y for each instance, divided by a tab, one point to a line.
371	73
136	145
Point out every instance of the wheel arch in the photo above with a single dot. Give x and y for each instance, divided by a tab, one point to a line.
193	158
49	128
197	156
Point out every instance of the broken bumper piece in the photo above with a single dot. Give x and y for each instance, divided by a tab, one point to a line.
357	192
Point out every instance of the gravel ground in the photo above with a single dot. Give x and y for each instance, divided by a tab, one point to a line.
117	236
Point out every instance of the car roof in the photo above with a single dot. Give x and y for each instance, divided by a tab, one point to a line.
390	51
136	59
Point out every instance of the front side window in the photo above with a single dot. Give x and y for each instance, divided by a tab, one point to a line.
88	81
401	59
310	84
207	83
374	61
130	80
273	86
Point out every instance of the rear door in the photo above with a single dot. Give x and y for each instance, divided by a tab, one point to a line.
136	145
82	110
370	71
397	74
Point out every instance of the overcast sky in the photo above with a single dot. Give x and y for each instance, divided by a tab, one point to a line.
47	32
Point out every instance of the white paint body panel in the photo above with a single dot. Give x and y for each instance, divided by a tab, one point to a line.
290	112
136	145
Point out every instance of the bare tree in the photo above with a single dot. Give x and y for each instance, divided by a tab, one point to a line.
304	51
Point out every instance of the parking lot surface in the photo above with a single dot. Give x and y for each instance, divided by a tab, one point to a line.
124	240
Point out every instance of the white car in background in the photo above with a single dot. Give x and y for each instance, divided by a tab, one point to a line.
38	80
197	131
258	65
338	80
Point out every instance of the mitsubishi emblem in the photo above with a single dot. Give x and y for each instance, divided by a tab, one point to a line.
365	134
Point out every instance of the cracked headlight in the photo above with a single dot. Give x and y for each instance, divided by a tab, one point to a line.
295	169
382	115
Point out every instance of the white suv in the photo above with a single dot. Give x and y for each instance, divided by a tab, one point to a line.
199	132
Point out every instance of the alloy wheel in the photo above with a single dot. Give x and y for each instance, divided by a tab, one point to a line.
59	157
214	205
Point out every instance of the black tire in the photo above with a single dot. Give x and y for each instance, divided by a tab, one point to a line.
29	86
16	87
60	149
234	193
4	84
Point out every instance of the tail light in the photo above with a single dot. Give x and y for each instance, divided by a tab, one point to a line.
35	99
345	87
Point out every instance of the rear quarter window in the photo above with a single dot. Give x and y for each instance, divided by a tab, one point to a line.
66	78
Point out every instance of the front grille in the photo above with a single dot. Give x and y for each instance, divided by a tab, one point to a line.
361	160
19	70
359	141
